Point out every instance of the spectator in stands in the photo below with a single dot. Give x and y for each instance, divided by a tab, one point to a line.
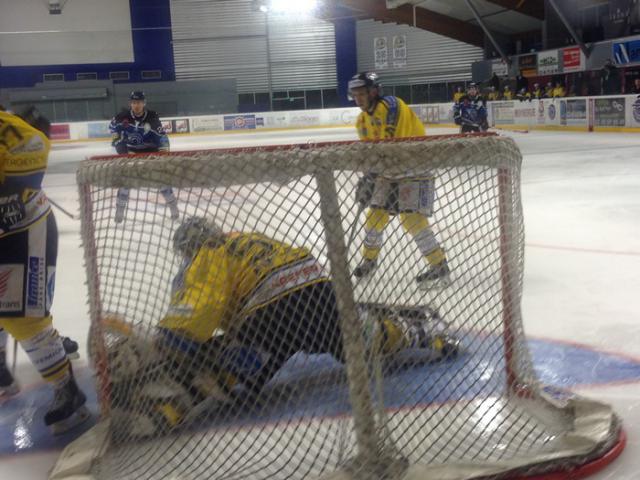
521	82
493	95
537	92
636	86
581	83
523	95
548	90
494	82
610	77
559	91
507	94
458	94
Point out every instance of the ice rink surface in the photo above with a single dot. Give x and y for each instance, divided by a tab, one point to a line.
581	196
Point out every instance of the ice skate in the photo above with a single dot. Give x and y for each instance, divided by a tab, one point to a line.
436	276
68	409
365	268
173	208
120	208
8	385
70	348
121	204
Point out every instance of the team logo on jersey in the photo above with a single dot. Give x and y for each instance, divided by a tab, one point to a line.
134	139
636	110
11	287
34	144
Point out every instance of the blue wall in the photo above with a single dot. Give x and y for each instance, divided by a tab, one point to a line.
152	50
346	55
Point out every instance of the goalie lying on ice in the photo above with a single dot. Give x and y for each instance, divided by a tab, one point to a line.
242	304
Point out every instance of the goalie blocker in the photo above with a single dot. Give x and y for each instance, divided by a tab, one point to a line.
216	349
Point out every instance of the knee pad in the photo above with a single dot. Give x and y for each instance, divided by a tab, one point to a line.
23	328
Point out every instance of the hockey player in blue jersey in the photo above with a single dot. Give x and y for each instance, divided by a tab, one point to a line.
139	130
470	112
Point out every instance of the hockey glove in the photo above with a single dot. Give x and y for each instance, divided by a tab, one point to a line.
115	139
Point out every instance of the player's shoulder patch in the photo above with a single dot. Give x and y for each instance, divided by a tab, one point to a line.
390	101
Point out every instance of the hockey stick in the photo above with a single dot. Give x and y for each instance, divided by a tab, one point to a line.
64	210
15	357
354	226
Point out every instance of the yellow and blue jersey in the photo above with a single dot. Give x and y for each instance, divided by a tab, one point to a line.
223	284
391	118
24	151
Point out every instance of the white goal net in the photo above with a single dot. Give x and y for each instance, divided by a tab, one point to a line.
331	382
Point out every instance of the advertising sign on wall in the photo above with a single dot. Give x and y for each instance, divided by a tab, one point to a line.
167	126
60	131
502	113
626	52
343	116
610	112
528	64
181	125
540	110
304	119
572	59
399	44
273	120
575	112
206	124
635	111
239	122
380	52
524	112
499	68
98	129
548	62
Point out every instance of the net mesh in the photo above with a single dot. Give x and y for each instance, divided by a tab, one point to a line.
464	403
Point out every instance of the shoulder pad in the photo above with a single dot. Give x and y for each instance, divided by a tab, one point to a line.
390	100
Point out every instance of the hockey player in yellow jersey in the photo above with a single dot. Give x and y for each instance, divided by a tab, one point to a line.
241	305
28	251
387	117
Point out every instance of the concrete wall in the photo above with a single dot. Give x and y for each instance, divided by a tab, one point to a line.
101	99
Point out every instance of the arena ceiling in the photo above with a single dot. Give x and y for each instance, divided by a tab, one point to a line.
454	18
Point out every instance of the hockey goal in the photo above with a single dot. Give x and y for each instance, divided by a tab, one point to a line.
482	414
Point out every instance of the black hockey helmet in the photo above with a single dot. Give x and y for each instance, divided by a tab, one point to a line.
37	120
365	79
193	233
137	95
